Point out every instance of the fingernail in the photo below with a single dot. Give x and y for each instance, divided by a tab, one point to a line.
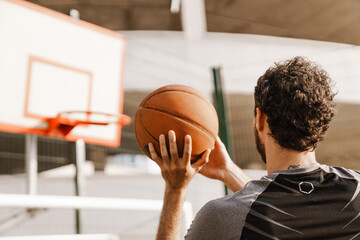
172	135
146	147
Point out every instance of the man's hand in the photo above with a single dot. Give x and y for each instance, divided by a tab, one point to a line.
219	162
177	173
221	167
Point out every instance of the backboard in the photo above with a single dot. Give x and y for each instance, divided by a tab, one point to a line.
51	63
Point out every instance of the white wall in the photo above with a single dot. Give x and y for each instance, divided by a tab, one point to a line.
156	58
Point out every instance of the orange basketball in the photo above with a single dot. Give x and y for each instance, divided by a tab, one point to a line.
179	108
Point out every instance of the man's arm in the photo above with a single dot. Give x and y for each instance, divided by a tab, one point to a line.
177	173
235	178
171	214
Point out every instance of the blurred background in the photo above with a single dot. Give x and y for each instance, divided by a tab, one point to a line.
184	42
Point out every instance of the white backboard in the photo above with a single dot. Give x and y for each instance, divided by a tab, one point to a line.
50	63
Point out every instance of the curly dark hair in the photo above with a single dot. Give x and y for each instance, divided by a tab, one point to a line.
297	98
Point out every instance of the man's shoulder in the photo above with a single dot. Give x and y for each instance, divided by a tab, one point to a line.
235	205
342	172
218	219
223	218
220	206
242	197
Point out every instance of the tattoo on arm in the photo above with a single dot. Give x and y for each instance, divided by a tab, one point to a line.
293	167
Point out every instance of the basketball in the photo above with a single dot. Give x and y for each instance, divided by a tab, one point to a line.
179	108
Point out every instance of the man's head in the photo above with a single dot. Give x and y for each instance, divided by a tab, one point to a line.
297	99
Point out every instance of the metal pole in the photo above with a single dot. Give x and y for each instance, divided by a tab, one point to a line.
175	6
31	163
79	159
220	106
74	13
80	150
193	19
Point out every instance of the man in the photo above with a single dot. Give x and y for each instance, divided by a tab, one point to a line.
299	199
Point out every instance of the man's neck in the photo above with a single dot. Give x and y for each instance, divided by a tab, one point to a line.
279	158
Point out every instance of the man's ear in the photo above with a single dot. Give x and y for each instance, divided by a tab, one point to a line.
260	119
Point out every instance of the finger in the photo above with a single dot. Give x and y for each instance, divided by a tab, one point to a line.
202	161
173	147
163	149
187	149
153	154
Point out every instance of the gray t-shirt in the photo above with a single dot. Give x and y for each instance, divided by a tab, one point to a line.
317	202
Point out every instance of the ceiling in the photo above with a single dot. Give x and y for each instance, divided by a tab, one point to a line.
326	20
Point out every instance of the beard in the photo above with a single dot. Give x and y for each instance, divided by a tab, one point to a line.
260	146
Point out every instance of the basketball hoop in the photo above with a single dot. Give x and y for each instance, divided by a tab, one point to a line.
64	122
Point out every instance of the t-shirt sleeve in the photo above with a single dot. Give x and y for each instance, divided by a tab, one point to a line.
205	224
212	222
224	218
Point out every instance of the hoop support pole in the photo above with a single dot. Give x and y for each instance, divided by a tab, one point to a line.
31	163
80	152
